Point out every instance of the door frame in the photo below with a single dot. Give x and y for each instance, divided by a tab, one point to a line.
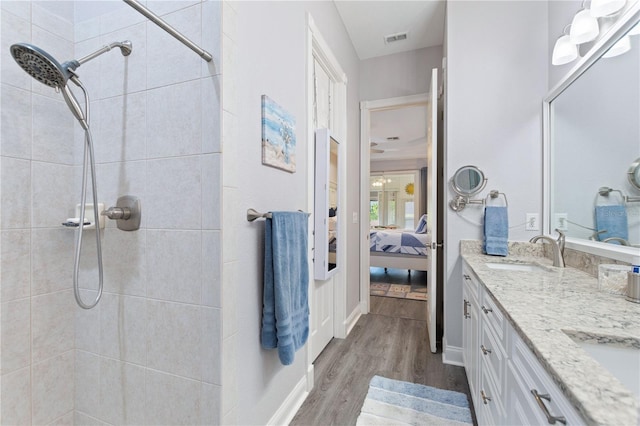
366	108
318	47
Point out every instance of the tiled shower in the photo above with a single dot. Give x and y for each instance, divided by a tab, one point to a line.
150	352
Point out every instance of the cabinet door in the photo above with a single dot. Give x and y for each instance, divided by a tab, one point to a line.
470	332
520	408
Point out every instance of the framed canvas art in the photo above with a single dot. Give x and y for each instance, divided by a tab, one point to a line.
278	136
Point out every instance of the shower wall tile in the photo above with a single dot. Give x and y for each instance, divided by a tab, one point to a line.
174	193
174	260
14	29
211	345
211	269
51	260
164	7
121	128
83	419
168	60
56	46
58	20
118	179
89	74
124	261
54	194
231	175
230	74
87	321
230	298
15	397
122	393
174	339
62	9
52	326
87	391
18	8
15	348
15	194
210	406
211	36
16	126
229	374
124	74
64	420
89	28
123	328
52	389
211	189
171	399
122	16
211	114
174	131
52	127
15	265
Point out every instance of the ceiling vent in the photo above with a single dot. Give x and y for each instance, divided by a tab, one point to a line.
395	37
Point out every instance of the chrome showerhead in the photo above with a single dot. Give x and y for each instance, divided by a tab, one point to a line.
40	65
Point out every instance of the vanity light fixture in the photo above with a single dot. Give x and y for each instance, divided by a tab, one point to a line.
564	51
584	27
622	46
606	7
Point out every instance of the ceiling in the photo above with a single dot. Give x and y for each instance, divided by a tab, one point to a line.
369	22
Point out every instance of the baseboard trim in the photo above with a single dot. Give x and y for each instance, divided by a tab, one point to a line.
353	318
310	378
452	355
291	404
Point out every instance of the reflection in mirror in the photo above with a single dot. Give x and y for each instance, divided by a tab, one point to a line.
468	181
594	132
327	210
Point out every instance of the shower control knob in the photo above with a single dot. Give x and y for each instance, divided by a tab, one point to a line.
126	213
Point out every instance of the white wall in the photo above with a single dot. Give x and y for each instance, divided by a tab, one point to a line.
270	58
393	165
400	74
497	57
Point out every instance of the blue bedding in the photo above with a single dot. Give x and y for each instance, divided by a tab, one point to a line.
399	241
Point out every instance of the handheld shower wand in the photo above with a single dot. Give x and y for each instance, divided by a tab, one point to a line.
44	68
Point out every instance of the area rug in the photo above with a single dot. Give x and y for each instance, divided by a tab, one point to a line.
393	402
401	291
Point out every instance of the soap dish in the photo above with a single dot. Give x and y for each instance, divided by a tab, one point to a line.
612	278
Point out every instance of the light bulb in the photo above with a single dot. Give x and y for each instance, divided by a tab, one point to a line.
564	51
605	7
622	46
584	27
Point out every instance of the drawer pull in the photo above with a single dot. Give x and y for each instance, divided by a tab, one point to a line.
539	399
485	398
466	309
486	310
485	350
467	277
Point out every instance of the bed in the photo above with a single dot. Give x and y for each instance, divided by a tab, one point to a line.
400	249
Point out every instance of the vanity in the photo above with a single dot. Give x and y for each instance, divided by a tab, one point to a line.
525	327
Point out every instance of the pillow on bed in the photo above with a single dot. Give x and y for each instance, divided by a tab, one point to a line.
422	225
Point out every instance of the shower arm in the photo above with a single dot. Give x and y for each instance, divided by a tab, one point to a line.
125	48
168	28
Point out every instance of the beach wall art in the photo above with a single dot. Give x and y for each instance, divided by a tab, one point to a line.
278	136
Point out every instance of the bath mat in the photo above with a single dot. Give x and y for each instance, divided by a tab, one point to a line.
393	402
401	291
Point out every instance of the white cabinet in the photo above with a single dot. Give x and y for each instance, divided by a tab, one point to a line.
508	385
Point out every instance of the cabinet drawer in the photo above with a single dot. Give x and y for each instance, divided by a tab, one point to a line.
535	378
470	281
493	357
490	406
493	316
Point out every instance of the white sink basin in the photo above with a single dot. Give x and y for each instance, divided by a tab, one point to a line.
524	267
623	362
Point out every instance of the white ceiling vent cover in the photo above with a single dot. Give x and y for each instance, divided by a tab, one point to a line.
395	37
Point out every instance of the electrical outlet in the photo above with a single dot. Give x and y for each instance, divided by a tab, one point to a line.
561	221
533	222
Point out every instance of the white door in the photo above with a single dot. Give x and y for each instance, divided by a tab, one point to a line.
432	210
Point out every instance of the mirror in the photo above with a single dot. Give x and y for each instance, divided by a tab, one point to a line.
468	181
634	173
326	205
593	133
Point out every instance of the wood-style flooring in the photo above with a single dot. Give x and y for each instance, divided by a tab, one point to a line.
389	342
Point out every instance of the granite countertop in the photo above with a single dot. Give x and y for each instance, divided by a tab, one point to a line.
544	306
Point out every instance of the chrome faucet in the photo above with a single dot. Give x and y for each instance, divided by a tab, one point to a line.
622	241
556	245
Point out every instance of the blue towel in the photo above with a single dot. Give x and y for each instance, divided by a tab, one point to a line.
496	231
285	311
613	220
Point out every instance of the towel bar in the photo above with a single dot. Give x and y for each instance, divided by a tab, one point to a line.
604	191
253	214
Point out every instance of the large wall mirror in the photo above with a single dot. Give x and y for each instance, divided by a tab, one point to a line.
326	205
593	138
